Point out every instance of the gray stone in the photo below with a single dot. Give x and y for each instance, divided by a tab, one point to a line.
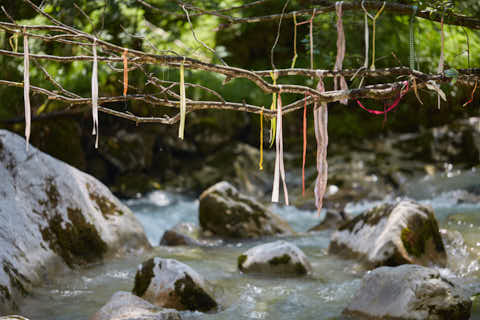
409	292
279	257
333	220
171	284
126	306
227	213
187	234
405	232
65	217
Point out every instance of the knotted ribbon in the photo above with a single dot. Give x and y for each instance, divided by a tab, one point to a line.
339	80
183	104
95	93
26	86
320	116
279	166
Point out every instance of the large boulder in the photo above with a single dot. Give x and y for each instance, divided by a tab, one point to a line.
54	216
187	234
226	212
405	232
126	306
169	283
409	292
279	257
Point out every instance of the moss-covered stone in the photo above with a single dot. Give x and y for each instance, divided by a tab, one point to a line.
300	268
193	297
5	293
241	259
285	259
143	277
78	243
371	217
415	237
107	207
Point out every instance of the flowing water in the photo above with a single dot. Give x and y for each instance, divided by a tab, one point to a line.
323	295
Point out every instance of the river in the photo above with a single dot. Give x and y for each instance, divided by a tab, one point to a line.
322	295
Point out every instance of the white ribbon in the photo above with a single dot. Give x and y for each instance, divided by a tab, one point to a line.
279	166
26	88
95	93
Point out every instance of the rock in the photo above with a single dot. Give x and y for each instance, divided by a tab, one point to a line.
171	284
65	217
279	257
409	292
186	234
332	220
405	232
13	317
126	306
226	212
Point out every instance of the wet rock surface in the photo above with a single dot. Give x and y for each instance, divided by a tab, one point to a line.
126	306
225	212
276	258
187	234
169	283
405	232
409	292
66	218
333	220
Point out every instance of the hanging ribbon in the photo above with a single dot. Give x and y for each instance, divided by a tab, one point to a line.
391	107
26	86
442	56
320	116
95	93
339	81
273	107
473	92
183	104
304	143
311	38
367	40
260	163
295	55
412	57
279	167
374	22
125	72
13	40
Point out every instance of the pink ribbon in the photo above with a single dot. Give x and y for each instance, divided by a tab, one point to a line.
339	80
391	107
320	116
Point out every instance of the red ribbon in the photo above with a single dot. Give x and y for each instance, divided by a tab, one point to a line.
390	108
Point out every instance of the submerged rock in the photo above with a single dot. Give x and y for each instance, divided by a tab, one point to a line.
279	257
332	220
186	234
171	284
126	306
54	216
405	232
409	292
226	212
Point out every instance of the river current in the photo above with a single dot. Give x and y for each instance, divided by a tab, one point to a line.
78	294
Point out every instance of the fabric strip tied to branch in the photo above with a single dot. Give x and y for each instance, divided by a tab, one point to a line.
279	167
26	88
339	81
95	93
320	116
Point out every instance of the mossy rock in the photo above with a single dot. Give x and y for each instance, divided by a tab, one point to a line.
275	258
390	235
171	284
227	213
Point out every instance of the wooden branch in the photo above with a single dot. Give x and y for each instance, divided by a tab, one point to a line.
402	9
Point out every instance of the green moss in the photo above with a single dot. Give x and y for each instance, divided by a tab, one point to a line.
419	231
285	259
17	280
300	268
5	293
371	217
77	243
143	277
225	219
193	297
107	207
241	259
